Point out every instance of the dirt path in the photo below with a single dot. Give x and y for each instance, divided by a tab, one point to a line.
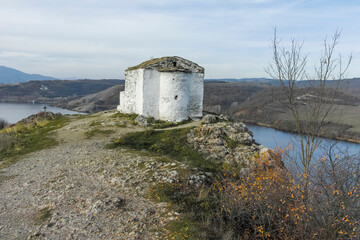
80	190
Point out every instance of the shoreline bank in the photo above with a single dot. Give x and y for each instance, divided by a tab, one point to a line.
349	140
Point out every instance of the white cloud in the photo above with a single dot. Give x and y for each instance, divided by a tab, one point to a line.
96	38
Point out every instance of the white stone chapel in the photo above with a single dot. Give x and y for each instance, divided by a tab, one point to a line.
167	88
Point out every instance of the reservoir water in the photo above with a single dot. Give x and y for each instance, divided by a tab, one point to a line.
14	112
272	138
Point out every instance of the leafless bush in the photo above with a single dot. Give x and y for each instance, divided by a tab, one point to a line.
335	194
3	123
289	65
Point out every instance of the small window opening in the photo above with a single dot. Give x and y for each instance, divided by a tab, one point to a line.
176	97
174	63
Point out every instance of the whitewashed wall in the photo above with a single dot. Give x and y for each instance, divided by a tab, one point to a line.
131	99
151	93
174	96
138	77
196	95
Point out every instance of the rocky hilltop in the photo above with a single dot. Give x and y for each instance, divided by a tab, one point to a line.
85	188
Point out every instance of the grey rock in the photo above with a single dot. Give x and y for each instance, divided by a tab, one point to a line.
210	119
97	207
224	141
142	120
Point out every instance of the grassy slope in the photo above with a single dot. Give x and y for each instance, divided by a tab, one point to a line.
24	138
166	142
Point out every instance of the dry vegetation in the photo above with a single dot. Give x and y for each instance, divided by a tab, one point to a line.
266	201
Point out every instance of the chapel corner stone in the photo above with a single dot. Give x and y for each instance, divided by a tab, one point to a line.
167	88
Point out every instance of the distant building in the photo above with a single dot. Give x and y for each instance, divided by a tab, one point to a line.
167	88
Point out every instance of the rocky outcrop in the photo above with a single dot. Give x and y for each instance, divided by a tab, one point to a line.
41	116
210	118
223	141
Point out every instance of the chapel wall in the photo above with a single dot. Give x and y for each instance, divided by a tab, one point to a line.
174	96
131	97
151	93
196	88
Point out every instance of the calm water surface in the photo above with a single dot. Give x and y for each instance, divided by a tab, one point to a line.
272	138
14	112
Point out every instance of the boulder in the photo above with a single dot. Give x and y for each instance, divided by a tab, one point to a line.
210	118
142	120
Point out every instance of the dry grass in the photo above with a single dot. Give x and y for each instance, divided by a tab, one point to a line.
6	140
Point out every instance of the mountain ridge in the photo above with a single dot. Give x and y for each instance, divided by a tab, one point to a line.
11	75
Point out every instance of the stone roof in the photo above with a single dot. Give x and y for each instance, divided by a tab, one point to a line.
169	64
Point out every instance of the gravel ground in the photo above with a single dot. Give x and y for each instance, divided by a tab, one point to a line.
80	190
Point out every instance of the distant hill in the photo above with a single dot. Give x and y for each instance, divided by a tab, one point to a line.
245	80
104	100
10	75
54	91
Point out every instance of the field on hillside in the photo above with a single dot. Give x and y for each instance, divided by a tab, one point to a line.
345	114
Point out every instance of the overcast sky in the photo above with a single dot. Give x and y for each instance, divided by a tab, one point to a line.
230	38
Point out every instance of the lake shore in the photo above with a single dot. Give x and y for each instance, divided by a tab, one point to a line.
14	112
343	139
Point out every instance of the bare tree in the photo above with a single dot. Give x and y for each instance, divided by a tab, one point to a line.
309	111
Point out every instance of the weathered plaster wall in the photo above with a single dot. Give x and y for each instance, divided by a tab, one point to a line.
174	96
196	95
151	93
131	98
138	77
